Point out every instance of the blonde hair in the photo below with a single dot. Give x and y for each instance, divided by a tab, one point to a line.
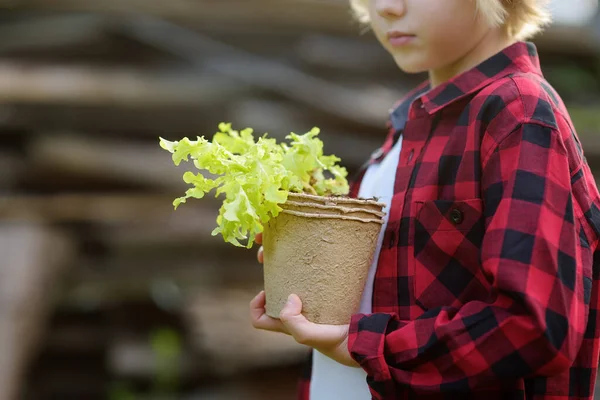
521	18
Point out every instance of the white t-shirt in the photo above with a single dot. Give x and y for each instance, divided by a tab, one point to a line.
331	380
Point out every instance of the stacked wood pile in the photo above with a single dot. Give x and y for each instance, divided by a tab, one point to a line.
95	261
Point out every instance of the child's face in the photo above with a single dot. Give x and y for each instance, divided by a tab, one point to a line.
427	35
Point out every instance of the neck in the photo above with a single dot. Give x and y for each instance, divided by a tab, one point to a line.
494	41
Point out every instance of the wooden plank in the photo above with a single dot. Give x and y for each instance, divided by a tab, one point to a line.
219	322
76	338
145	240
103	284
115	86
331	16
276	116
328	15
343	101
137	163
108	209
135	266
11	167
33	259
107	120
279	118
345	54
145	163
26	33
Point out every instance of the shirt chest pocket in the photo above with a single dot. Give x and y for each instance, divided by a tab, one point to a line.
447	237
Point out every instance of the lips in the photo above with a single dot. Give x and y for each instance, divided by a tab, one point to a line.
397	38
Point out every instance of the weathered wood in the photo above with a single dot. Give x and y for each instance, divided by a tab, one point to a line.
345	54
134	276
135	266
148	164
73	338
50	32
288	81
117	86
11	167
274	16
106	120
145	164
127	209
71	359
33	259
222	330
279	119
98	136
332	16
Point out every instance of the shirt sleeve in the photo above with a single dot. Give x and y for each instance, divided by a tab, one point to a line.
535	319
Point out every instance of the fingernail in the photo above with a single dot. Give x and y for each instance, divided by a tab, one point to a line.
290	299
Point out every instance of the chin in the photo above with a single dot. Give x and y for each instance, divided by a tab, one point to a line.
412	67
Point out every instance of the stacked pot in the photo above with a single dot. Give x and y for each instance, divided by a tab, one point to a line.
320	248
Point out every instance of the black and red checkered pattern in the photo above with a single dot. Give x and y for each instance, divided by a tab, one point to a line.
487	285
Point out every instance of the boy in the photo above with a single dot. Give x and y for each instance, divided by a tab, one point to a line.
486	284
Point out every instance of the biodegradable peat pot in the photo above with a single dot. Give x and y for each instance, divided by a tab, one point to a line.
320	248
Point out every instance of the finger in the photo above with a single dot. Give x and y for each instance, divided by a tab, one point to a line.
260	255
257	305
260	320
306	332
258	238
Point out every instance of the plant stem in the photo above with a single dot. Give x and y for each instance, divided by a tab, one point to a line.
310	189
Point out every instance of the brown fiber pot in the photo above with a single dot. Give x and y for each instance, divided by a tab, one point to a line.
320	248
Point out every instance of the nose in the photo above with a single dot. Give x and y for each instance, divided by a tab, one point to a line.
390	8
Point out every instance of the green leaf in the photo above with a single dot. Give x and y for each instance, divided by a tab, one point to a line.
255	175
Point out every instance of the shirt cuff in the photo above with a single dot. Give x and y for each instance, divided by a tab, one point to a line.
366	343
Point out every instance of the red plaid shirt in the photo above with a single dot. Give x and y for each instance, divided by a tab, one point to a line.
487	282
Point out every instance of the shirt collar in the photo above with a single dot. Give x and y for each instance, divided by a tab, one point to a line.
399	113
397	121
520	57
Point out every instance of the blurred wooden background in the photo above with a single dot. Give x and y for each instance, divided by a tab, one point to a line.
105	290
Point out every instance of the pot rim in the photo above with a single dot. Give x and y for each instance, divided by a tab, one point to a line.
337	199
332	216
343	209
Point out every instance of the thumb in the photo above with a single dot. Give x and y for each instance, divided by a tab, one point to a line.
306	332
296	323
292	309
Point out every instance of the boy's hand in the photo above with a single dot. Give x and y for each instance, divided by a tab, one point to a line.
330	340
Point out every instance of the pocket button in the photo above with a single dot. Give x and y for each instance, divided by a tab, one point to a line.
456	216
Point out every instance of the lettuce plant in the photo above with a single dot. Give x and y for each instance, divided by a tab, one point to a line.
255	175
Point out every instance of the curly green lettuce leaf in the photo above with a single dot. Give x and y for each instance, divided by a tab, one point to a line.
255	176
234	141
305	160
